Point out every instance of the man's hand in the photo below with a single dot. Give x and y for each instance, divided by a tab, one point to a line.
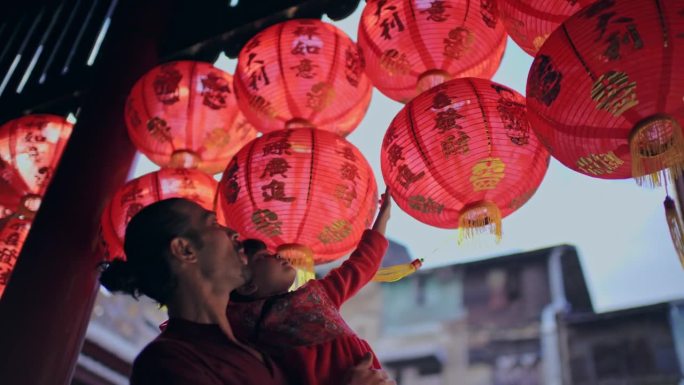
363	374
380	224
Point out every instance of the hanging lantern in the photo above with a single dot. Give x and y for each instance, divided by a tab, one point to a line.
530	22
308	194
30	148
184	114
462	155
605	95
145	190
302	73
13	232
411	46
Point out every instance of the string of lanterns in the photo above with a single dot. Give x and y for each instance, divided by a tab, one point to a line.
464	152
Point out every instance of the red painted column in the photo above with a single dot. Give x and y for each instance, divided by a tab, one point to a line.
45	309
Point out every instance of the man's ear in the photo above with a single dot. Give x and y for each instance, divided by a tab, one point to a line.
183	249
247	289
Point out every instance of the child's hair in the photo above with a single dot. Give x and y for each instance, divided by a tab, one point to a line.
251	247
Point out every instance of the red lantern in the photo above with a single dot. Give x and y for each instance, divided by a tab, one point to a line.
411	46
307	193
30	148
530	22
604	92
13	232
462	155
145	190
184	114
302	73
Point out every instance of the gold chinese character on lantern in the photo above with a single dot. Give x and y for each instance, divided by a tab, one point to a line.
336	232
487	173
613	92
217	138
394	62
599	164
320	96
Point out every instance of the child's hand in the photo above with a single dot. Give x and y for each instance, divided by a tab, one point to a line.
380	224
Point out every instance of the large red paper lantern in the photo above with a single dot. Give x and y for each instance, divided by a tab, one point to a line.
30	148
462	154
305	192
184	114
13	233
302	73
145	190
530	22
410	46
605	90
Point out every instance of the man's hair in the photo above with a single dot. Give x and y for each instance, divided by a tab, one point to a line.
146	269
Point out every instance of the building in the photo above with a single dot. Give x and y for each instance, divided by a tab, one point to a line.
522	319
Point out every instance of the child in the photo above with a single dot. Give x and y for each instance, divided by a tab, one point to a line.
303	329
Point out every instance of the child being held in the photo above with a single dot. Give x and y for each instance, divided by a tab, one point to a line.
303	329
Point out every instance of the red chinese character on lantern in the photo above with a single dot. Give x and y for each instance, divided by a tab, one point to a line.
349	171
276	166
345	194
306	28
513	115
231	187
159	129
388	23
544	82
215	91
131	193
354	64
390	136
406	177
278	147
43	176
132	210
623	29
307	40
437	11
305	69
458	42
489	12
395	154
12	239
133	114
446	120
347	153
452	146
34	137
166	83
8	255
275	191
257	72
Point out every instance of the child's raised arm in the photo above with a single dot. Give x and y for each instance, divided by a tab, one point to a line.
345	281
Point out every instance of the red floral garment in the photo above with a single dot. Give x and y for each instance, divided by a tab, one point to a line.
303	330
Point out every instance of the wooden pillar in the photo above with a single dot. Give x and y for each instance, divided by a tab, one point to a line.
46	307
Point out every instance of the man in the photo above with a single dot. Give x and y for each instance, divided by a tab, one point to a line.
180	256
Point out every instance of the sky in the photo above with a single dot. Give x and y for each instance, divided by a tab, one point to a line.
618	227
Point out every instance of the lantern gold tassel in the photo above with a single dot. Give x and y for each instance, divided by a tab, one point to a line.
657	149
479	218
674	222
397	272
301	257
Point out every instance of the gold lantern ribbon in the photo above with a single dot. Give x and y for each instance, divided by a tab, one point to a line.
397	272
